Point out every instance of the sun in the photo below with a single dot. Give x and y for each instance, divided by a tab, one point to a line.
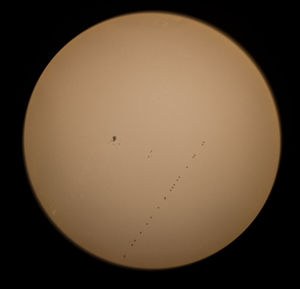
152	140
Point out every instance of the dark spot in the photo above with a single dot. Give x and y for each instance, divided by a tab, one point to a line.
114	138
157	207
134	240
131	245
124	256
187	167
147	224
165	198
150	217
140	233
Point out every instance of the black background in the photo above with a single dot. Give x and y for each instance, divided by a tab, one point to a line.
263	252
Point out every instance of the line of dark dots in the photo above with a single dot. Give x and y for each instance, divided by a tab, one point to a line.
147	223
134	241
132	244
158	207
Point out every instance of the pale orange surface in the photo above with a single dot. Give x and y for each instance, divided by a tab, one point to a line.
152	140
